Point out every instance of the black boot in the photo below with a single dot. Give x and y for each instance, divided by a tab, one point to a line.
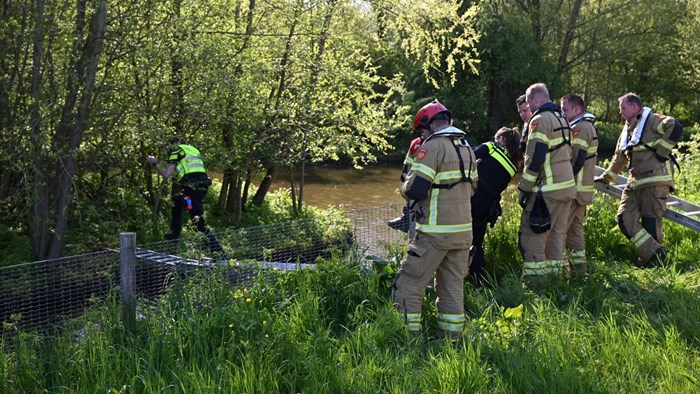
658	259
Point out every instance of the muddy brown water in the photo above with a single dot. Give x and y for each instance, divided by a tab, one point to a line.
348	188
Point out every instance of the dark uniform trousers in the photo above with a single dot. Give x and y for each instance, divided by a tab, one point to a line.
190	196
195	208
482	215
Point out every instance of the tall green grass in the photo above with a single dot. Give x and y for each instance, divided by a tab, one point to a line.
333	330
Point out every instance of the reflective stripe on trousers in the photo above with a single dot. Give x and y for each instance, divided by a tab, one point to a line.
536	268
453	323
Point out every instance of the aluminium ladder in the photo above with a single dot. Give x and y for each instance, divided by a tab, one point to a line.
680	211
173	260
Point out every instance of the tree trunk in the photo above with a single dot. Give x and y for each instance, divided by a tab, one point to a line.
293	190
234	191
301	186
39	215
176	77
244	194
264	186
225	184
53	191
562	65
276	97
226	201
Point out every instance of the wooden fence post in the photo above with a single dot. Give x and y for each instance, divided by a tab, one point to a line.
127	275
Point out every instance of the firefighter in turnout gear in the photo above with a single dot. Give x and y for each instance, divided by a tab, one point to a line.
189	188
644	146
441	181
548	170
585	140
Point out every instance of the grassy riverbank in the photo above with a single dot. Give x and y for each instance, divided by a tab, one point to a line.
333	329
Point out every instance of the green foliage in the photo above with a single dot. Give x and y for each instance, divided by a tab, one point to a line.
607	136
422	33
15	247
273	232
331	329
292	82
687	181
501	242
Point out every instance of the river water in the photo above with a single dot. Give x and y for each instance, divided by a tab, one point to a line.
348	188
369	197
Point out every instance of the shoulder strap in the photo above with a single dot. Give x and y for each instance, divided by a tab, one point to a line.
561	127
457	143
670	156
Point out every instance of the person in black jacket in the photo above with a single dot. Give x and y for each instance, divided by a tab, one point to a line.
498	161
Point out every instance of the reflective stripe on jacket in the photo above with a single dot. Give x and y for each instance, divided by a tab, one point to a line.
188	160
643	160
495	169
548	154
444	211
585	137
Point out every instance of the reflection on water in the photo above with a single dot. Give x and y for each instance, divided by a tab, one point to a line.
348	188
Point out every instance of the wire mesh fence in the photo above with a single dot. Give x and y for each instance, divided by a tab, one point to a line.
44	293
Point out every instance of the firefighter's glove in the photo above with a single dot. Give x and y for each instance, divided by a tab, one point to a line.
494	212
522	200
601	179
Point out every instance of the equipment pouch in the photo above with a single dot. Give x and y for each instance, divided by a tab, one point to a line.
540	219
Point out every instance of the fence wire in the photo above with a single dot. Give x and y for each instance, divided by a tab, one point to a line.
43	294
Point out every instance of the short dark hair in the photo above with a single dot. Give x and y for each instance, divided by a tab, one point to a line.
520	100
575	100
